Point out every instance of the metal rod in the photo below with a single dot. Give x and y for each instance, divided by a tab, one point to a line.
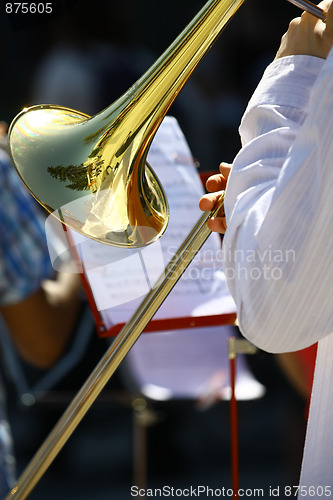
236	346
234	428
113	357
309	7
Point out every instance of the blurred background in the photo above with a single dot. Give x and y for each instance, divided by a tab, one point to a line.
85	55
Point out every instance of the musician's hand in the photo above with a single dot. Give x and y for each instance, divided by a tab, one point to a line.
308	35
215	184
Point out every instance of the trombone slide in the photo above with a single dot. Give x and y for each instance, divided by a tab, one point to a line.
113	357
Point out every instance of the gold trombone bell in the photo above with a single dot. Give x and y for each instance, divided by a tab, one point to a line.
86	172
91	173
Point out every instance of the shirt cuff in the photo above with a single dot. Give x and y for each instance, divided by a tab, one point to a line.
287	82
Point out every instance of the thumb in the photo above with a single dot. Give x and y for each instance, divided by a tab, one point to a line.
327	6
328	34
327	31
329	16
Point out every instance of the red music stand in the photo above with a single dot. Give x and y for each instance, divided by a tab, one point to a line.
236	347
168	324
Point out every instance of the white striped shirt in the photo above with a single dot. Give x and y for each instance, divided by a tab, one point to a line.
279	241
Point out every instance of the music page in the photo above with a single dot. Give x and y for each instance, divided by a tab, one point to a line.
120	278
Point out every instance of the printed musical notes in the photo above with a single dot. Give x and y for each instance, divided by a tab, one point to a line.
119	278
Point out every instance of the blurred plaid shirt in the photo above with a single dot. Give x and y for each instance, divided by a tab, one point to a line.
24	258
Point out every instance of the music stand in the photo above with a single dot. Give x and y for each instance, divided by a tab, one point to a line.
199	304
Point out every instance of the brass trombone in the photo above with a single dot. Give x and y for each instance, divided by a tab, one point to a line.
91	173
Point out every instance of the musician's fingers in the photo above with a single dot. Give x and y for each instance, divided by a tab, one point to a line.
208	201
225	169
216	183
217	224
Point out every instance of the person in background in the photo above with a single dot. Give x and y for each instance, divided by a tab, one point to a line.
39	307
278	235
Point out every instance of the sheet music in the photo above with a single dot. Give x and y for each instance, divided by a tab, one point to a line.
120	278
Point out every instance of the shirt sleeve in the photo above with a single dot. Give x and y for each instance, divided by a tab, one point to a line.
278	205
24	258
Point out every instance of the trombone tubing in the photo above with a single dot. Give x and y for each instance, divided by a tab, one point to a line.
310	7
113	357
